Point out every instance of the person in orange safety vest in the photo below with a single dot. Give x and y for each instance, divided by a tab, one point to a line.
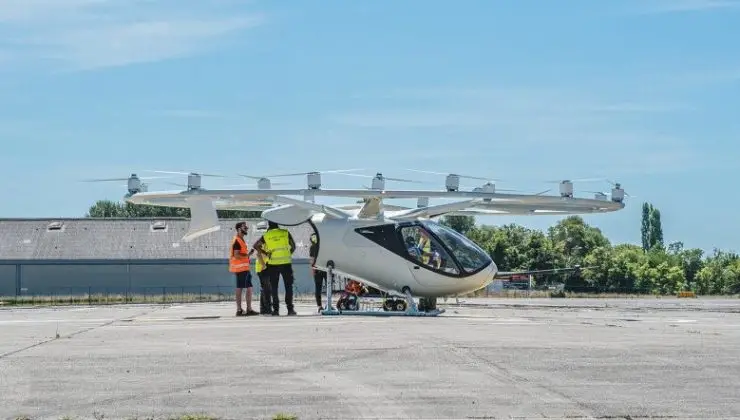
239	265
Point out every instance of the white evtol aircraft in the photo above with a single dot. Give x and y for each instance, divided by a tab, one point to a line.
370	241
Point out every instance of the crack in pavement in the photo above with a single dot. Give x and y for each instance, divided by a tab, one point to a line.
78	332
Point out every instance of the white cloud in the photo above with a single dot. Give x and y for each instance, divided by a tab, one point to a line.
90	34
549	128
508	107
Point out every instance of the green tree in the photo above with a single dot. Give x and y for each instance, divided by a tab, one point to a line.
645	231
111	209
652	229
656	229
462	224
573	239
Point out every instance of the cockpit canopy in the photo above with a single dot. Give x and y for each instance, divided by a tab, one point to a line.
431	245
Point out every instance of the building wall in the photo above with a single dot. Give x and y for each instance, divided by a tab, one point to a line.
7	280
80	255
61	278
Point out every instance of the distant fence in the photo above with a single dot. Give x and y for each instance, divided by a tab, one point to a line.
207	279
152	294
104	281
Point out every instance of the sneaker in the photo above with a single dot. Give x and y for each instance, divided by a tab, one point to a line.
275	313
251	312
292	313
240	312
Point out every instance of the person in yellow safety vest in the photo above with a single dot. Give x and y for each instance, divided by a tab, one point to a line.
428	255
260	266
425	245
278	244
239	265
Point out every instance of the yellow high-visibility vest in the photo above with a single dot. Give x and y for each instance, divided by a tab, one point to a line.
278	244
426	246
259	267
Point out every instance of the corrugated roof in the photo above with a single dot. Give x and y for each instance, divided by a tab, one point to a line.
93	238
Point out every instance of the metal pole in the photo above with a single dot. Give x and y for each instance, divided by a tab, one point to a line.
329	286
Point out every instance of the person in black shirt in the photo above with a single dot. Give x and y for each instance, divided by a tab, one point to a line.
318	276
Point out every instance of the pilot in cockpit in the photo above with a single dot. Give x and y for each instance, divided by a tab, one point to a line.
423	251
412	248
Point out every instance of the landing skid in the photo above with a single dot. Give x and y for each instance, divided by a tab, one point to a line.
391	306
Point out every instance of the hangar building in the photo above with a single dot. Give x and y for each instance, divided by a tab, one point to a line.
60	257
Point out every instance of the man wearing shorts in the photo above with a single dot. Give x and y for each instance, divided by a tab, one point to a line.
239	265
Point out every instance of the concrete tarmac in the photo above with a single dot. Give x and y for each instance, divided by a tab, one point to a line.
484	358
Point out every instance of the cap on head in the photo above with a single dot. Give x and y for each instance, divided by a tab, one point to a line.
272	225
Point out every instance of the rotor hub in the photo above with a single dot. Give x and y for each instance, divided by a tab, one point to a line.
264	184
193	182
452	182
378	182
314	180
566	189
617	194
134	184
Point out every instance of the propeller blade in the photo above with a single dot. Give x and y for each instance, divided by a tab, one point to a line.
252	176
471	188
459	175
124	179
403	180
188	173
330	171
361	175
177	184
558	181
411	181
255	185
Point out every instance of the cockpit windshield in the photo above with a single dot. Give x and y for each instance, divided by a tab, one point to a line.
425	250
465	251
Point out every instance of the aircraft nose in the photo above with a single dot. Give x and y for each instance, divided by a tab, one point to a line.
494	268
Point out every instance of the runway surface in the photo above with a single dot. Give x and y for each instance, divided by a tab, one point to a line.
486	358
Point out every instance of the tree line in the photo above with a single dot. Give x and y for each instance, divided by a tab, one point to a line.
651	267
113	209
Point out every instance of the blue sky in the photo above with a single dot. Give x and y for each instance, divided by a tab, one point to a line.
642	92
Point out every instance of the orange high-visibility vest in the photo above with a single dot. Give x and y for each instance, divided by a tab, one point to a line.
239	261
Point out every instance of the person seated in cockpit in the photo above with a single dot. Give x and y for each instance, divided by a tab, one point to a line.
430	256
427	256
412	248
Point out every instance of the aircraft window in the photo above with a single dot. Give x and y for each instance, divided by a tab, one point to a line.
426	250
467	253
383	235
